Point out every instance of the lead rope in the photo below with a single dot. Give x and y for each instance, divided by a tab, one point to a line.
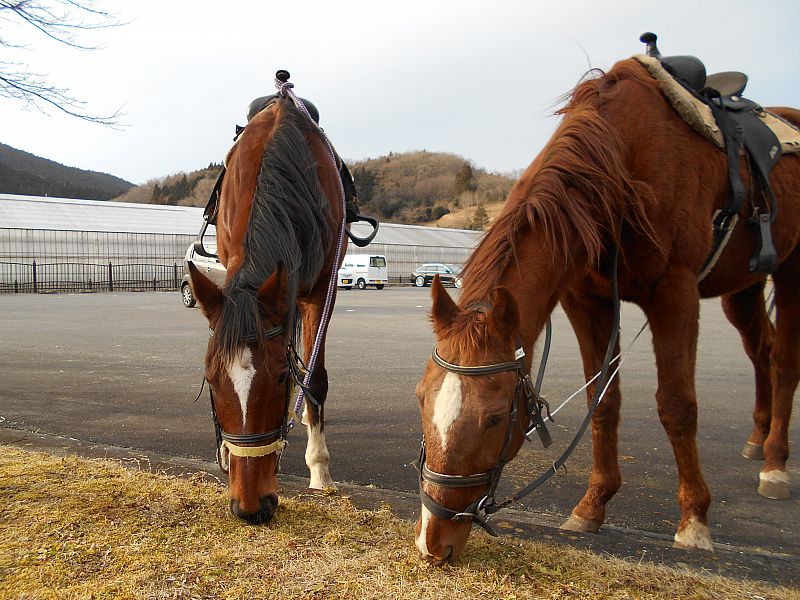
285	89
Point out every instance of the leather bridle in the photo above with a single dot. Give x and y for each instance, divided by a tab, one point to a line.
485	506
524	393
257	444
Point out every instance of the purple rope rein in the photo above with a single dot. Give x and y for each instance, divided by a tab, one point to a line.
285	89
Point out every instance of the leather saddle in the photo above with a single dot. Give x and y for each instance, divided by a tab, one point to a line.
738	120
351	198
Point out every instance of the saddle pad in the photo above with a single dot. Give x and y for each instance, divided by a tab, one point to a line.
698	115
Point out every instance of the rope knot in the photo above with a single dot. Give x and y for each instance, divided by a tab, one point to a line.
283	86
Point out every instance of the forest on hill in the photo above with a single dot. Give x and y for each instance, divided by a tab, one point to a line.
30	175
412	187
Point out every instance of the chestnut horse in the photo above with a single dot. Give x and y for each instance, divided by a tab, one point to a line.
280	209
621	171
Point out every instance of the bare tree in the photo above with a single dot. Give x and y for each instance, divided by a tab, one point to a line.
62	21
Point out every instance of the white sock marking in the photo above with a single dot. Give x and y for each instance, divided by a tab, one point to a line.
318	459
241	371
447	407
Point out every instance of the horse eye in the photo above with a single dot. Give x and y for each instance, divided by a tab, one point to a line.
493	421
283	376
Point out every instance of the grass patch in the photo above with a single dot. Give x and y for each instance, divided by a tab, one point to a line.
76	528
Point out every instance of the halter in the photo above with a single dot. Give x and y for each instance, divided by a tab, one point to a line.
485	506
257	444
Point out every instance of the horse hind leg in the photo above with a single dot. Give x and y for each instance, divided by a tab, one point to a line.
785	359
592	321
746	311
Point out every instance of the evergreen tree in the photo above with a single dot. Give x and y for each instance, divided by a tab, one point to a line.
465	180
480	219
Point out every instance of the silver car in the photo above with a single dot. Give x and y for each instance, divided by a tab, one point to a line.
210	267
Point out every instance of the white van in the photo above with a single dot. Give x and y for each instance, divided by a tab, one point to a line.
367	269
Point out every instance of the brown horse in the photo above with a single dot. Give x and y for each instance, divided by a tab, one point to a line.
280	210
621	171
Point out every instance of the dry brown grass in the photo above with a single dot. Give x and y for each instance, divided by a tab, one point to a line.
74	528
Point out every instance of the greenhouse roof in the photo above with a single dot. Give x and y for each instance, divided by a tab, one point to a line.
36	212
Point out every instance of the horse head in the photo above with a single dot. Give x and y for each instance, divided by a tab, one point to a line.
472	420
247	371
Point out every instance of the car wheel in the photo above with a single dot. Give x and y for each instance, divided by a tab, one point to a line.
379	286
362	285
419	281
458	282
187	296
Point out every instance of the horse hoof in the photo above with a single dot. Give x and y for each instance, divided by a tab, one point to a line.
576	523
694	536
774	484
753	451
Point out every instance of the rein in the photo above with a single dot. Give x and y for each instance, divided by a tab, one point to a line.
481	509
284	88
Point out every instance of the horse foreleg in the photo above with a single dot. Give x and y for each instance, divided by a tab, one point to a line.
746	311
785	358
673	316
317	457
592	320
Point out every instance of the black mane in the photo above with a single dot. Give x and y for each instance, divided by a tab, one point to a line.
288	225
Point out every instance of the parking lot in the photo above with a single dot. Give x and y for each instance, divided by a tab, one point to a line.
124	369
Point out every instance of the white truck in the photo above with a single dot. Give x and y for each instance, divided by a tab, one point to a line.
367	269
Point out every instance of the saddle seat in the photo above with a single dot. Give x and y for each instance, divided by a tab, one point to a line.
690	72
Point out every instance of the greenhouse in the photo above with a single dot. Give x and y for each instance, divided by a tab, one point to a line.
61	244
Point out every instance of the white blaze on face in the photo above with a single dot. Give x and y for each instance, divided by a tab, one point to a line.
241	371
422	544
447	407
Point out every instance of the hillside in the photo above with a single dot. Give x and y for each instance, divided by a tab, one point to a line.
27	174
424	188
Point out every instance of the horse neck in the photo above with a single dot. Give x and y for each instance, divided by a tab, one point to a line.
536	276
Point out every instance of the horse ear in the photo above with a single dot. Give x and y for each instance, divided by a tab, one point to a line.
504	316
207	293
444	310
274	291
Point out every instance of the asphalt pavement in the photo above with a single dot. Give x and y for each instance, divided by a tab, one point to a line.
123	369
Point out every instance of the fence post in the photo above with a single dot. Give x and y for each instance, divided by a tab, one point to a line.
154	283
175	275
110	278
35	281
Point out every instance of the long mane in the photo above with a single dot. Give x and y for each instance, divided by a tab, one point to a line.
288	225
577	185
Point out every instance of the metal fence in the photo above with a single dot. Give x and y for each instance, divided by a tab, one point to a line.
44	260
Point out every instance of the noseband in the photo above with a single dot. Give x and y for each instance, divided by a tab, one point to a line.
251	444
526	392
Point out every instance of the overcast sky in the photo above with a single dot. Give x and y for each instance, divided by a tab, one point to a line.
478	79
